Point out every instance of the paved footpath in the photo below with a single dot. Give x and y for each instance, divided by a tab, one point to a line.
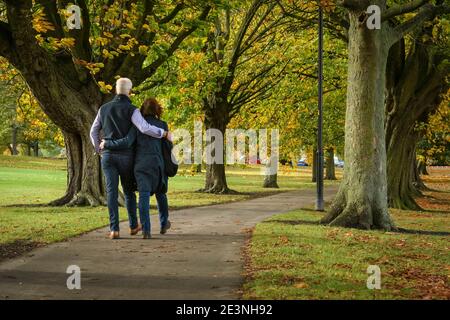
200	257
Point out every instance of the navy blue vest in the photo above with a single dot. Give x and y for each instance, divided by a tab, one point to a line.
116	116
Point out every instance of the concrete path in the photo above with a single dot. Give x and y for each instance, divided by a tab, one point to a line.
200	257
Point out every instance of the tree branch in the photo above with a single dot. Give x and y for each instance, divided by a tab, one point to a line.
236	53
83	49
172	14
427	12
402	9
151	69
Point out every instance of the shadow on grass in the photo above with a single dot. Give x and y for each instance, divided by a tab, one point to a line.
399	230
25	205
294	222
423	232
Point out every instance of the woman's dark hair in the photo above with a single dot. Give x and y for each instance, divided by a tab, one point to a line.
151	107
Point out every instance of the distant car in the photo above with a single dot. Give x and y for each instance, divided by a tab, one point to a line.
302	163
339	163
254	160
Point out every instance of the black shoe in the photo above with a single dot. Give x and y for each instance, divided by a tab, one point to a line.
165	228
146	235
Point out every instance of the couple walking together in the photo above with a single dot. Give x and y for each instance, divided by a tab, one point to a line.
130	142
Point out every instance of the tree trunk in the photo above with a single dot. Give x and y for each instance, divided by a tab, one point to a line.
36	149
401	162
84	176
270	178
28	150
330	172
361	201
417	181
216	117
422	167
70	97
415	81
270	181
14	133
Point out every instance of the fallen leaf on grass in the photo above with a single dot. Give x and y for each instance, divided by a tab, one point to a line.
301	285
282	240
348	234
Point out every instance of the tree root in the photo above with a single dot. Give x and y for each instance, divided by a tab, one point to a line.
272	184
79	200
407	203
218	190
356	215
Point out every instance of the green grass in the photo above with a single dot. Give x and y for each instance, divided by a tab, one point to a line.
291	256
28	181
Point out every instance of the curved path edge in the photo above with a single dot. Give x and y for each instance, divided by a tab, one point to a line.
200	257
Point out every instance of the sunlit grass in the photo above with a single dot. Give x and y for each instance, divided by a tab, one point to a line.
291	256
28	181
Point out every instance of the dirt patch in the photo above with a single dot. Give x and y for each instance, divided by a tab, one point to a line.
17	248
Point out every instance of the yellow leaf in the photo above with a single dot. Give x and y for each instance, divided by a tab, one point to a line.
301	285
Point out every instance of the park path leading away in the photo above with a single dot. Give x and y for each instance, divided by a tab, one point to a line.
200	257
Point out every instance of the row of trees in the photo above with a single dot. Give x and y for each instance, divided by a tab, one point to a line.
24	127
245	64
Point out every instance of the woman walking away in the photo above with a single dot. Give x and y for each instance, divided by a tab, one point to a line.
148	166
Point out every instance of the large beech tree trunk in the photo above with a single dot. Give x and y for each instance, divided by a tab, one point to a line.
216	117
84	176
415	81
401	162
69	96
72	107
330	172
361	201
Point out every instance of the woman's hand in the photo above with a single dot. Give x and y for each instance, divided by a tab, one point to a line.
168	135
102	144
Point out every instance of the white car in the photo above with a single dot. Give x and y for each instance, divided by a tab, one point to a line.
338	163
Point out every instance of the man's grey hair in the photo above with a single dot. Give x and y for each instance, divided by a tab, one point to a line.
123	86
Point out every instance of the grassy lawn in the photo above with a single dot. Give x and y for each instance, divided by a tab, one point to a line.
290	256
26	181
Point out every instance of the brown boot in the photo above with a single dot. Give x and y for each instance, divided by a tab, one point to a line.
136	230
114	235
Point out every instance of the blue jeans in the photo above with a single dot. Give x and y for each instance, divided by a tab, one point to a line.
117	165
144	209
